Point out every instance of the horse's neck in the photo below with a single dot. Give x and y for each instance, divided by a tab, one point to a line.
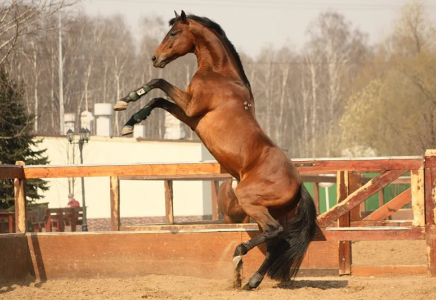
213	54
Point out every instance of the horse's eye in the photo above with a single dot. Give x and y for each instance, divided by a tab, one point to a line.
173	33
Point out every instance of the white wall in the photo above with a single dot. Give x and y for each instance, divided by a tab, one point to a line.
138	198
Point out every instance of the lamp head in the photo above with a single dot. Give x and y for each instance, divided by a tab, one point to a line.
85	134
70	135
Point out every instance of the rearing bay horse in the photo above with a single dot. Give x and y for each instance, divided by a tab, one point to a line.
218	106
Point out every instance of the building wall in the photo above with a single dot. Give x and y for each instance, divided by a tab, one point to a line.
138	198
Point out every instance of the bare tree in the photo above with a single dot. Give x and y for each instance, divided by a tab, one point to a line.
339	51
305	92
20	18
36	71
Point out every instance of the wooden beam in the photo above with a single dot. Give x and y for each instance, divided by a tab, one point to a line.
190	177
418	198
11	172
348	234
330	234
402	180
115	203
360	195
169	205
221	176
305	167
391	207
362	223
354	183
196	227
120	170
362	165
371	234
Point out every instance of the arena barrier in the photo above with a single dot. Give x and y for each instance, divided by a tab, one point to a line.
205	249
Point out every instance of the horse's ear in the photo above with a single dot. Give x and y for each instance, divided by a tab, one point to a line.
177	15
184	19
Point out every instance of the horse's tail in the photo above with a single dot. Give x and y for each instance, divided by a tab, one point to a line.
295	239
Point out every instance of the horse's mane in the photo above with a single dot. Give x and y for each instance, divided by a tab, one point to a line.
222	35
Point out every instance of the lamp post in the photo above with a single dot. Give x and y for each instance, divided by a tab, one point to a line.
84	138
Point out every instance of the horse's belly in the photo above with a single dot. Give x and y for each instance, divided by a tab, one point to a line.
234	138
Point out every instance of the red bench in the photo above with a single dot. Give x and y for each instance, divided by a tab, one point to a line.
61	217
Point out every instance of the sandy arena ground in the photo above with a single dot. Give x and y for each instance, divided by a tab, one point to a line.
178	288
182	287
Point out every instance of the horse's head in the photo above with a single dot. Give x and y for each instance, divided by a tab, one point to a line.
178	42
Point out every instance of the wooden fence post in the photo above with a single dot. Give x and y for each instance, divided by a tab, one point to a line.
20	202
430	206
169	208
115	203
381	198
418	196
214	188
316	196
347	182
343	221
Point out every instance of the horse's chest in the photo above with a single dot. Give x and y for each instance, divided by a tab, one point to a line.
199	88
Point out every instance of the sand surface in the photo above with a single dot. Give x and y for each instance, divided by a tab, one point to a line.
183	287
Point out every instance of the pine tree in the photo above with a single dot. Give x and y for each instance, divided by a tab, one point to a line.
16	141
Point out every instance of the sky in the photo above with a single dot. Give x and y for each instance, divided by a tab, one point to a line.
253	24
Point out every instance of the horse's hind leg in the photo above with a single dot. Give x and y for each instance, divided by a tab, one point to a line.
270	257
141	115
271	231
270	227
246	219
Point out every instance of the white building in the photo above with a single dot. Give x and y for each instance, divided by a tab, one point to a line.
138	198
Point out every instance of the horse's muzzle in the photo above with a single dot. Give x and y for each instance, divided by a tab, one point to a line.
159	62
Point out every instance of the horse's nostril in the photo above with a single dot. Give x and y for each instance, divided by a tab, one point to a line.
153	58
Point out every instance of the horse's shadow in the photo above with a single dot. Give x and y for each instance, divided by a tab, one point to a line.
316	284
19	278
7	286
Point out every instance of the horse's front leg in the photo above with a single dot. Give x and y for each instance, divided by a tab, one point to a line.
180	97
170	107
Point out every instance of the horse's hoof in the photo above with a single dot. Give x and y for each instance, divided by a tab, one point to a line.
120	105
237	262
254	281
127	130
247	287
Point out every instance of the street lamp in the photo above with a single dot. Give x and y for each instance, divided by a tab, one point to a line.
84	138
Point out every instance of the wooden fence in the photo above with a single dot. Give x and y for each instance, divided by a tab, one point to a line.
342	223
